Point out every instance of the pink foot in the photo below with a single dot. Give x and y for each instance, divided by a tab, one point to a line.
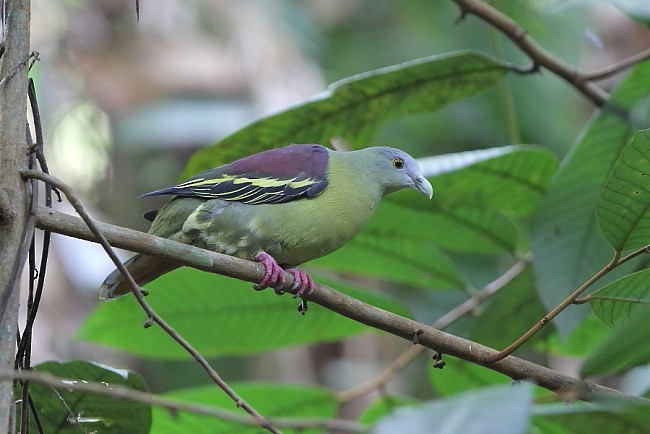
273	274
302	282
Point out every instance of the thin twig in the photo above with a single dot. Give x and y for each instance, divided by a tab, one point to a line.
152	316
539	56
608	71
122	392
71	415
404	359
17	68
437	340
615	262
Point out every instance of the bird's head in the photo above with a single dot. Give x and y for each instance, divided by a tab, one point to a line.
395	169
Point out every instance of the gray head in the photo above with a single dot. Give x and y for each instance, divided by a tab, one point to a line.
395	170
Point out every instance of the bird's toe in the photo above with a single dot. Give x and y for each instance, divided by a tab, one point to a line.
273	273
302	282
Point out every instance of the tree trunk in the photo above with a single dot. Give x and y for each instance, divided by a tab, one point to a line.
14	197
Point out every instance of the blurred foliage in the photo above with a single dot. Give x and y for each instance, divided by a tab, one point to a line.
420	258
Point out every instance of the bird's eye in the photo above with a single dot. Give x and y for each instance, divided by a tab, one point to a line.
398	163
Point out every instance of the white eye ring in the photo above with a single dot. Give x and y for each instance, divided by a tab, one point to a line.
397	163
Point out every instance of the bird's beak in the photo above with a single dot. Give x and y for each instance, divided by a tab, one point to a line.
423	185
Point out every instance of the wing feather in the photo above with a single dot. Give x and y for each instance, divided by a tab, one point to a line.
275	176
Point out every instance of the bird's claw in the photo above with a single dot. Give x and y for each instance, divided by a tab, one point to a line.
273	273
273	277
302	282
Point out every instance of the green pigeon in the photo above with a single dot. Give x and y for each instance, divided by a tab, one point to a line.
280	207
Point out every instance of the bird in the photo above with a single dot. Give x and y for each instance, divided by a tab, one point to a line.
281	207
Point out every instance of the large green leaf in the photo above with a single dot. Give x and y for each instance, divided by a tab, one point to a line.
462	228
513	181
625	348
502	409
622	208
615	302
97	413
407	261
356	107
566	242
219	316
279	400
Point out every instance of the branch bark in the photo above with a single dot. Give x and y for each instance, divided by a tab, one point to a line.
513	367
13	190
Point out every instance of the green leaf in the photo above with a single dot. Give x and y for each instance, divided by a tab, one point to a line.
513	181
615	302
356	107
622	208
625	348
503	409
566	242
406	261
218	316
98	413
610	417
464	229
270	400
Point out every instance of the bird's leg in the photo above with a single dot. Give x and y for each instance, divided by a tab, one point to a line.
301	281
273	274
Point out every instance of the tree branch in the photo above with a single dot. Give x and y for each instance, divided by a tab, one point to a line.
539	56
513	367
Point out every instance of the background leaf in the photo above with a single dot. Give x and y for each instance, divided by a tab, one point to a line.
614	303
509	313
625	348
622	208
98	413
396	259
566	242
356	107
219	316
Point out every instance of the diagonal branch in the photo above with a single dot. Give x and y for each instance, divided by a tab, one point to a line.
356	310
539	56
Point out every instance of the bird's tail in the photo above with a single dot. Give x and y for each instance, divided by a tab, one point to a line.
143	268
